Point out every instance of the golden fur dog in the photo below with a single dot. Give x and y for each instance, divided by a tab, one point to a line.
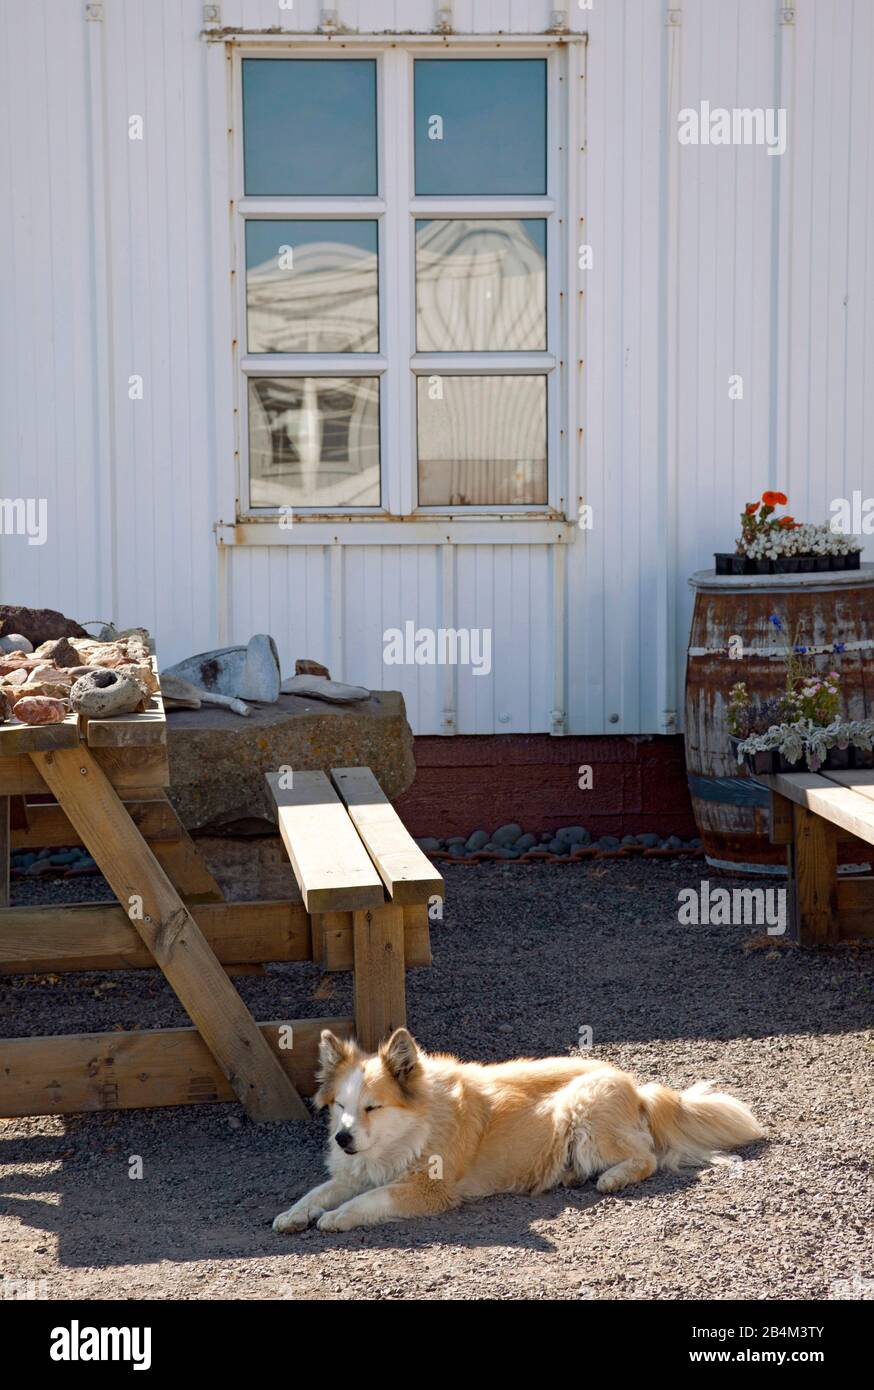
413	1134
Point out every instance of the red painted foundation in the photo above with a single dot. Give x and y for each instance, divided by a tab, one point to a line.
470	783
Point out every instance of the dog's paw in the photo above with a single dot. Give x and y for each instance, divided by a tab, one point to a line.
296	1218
337	1221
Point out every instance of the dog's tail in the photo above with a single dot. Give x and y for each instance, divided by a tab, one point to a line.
693	1127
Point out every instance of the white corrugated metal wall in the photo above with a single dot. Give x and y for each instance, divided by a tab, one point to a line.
708	262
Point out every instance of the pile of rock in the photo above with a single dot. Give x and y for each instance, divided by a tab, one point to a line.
569	843
80	674
71	862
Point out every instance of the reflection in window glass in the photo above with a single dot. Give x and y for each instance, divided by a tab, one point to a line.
481	285
480	126
314	441
482	440
311	286
309	126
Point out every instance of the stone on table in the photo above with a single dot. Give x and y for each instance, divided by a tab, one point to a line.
305	667
218	762
320	688
40	709
105	692
38	625
245	673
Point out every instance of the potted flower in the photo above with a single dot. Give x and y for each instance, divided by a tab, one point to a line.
802	726
771	544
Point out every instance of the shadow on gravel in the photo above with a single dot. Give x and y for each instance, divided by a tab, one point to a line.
525	958
101	1224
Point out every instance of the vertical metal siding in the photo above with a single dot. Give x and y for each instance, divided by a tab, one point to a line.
708	262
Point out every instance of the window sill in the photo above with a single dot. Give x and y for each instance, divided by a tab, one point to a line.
507	528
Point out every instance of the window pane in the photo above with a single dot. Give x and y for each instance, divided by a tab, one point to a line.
314	441
480	125
481	285
312	286
482	440
309	126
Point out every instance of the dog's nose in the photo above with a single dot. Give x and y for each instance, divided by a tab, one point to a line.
345	1140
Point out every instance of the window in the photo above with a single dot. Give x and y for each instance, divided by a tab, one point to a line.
398	262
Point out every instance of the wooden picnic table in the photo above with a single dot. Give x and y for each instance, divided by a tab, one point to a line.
810	813
362	909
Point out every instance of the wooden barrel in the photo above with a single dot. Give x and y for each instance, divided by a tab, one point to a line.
837	611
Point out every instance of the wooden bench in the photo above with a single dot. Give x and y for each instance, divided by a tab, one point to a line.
365	883
810	813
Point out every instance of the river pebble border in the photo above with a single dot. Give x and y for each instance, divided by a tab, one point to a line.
564	846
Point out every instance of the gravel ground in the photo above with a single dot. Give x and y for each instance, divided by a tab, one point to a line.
526	956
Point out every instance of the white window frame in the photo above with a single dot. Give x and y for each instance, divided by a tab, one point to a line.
396	208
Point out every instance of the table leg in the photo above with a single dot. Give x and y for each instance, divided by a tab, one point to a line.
815	877
162	920
378	944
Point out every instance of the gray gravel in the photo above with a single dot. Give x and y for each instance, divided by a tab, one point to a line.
526	956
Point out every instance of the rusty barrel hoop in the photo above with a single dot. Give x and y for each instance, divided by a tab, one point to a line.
731	809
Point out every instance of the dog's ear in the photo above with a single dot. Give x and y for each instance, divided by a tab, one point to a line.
400	1055
332	1051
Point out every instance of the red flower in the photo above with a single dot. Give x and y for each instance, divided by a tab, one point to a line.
788	523
752	508
774	499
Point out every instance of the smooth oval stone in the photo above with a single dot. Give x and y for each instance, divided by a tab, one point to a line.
507	835
477	840
40	709
573	835
14	642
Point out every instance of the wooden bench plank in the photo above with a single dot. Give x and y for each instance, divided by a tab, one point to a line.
100	936
35	738
840	805
331	865
128	730
171	933
123	1071
409	876
859	780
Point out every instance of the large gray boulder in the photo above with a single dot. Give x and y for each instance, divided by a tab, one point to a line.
218	761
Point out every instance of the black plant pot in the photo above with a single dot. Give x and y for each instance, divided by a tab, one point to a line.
861	757
836	760
761	566
758	764
845	562
725	562
789	564
806	564
821	563
741	565
782	764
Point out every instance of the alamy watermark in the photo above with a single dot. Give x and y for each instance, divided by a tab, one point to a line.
442	646
740	126
24	516
748	907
